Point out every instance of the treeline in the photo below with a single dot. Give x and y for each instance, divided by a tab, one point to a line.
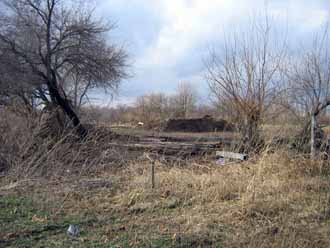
154	109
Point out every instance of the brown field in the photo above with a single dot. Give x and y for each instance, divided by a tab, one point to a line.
276	199
198	124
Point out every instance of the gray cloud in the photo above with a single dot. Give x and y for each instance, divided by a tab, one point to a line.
168	40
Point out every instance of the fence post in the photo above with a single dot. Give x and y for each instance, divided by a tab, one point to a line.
152	170
153	174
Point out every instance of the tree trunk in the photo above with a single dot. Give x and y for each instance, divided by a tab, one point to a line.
313	129
64	104
251	135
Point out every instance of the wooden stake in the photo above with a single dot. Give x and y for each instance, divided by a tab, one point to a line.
153	174
152	167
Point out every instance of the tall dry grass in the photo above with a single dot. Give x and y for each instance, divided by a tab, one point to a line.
278	200
23	154
15	134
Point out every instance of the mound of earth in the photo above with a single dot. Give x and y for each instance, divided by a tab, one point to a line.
205	124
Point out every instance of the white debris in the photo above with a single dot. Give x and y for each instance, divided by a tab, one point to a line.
73	230
221	161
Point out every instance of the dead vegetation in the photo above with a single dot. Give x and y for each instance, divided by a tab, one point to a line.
149	188
278	198
275	200
24	154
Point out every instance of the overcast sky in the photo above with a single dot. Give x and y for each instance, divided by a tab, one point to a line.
167	40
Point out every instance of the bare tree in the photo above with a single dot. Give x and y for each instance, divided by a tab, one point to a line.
153	108
77	87
245	75
15	82
309	78
142	107
54	40
184	102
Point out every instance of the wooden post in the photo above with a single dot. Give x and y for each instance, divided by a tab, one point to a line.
152	174
152	170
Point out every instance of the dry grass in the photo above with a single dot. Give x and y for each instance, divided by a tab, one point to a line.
274	202
276	199
23	154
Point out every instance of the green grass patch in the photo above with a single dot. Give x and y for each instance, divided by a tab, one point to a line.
23	223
